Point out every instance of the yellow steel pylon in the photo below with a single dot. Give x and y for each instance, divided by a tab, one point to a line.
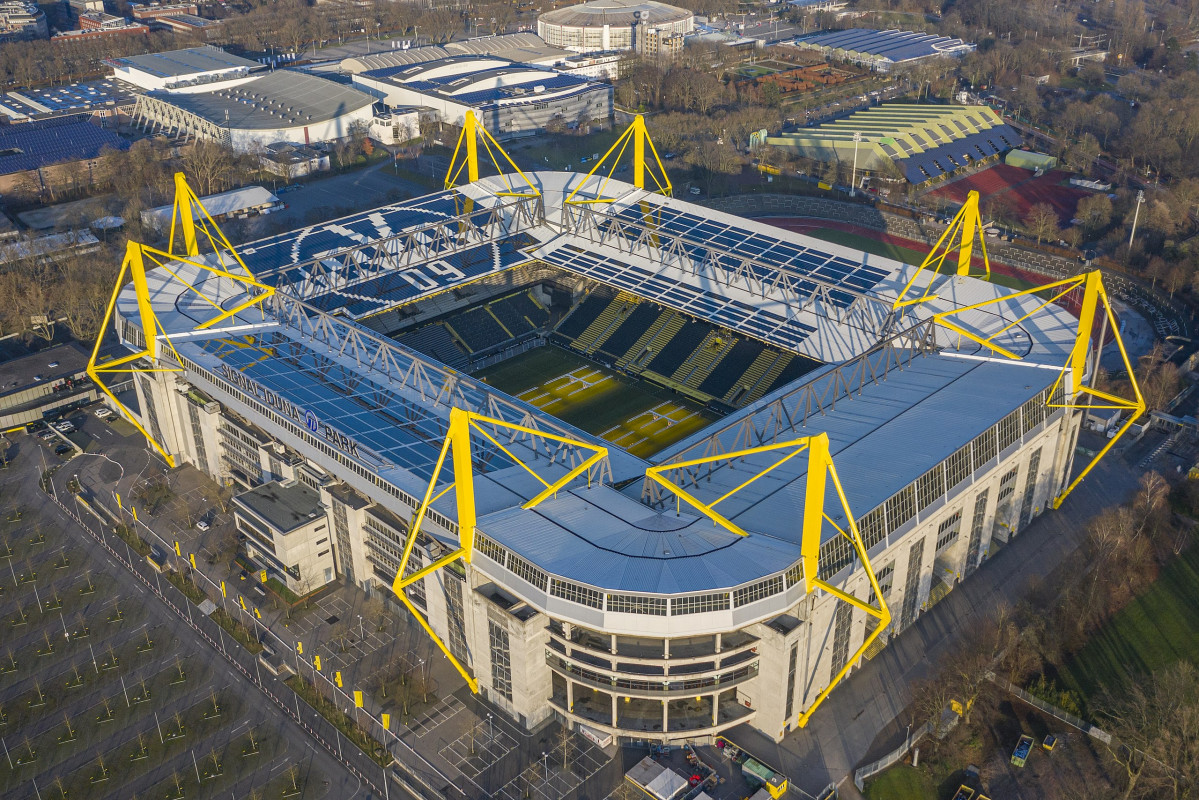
820	472
474	132
134	266
961	233
1094	294
639	136
458	446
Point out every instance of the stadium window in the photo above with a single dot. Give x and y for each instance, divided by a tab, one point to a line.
523	569
901	507
699	604
794	574
947	531
637	604
1009	430
930	487
957	467
575	593
835	555
873	527
490	549
1033	412
983	447
757	591
885	578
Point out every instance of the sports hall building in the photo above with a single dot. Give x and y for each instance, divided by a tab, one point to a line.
612	600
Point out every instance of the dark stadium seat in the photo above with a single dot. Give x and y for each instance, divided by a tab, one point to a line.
681	345
731	367
510	317
799	365
629	331
478	329
584	314
435	341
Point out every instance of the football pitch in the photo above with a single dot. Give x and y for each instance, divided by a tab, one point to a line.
631	414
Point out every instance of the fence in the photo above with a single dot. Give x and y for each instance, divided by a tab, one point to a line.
1058	713
875	767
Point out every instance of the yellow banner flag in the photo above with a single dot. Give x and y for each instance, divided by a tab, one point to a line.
242	600
316	662
300	648
223	592
133	511
192	558
262	576
119	501
357	699
386	720
258	613
337	678
178	552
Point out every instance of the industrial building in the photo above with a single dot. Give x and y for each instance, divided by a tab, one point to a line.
643	26
44	150
873	433
280	106
921	142
512	99
525	48
883	50
34	385
194	69
21	20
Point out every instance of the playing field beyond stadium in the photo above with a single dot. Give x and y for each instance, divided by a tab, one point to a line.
632	414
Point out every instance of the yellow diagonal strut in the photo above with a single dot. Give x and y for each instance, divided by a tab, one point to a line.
961	233
1093	296
821	472
457	445
639	136
190	216
472	135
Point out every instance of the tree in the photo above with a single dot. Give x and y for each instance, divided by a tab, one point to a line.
1094	212
1041	221
713	160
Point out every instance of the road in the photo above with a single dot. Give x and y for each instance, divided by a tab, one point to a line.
864	717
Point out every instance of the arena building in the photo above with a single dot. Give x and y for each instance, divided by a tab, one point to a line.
194	69
644	26
883	50
640	399
512	99
280	106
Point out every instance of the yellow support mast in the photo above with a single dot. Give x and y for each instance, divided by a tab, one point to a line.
466	157
457	446
965	227
1094	295
821	473
191	216
638	135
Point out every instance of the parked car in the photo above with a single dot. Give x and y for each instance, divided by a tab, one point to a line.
103	412
202	525
64	427
63	449
45	435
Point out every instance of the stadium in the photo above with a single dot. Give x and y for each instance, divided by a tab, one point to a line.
651	468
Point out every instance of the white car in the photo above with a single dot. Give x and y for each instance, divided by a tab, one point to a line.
104	412
64	427
202	525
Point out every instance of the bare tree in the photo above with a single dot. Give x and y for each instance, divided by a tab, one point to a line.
1041	221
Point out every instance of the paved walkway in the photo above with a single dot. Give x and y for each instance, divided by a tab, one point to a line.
843	732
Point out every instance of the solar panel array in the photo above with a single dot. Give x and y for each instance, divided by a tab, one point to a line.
668	291
73	97
31	145
942	160
398	431
777	257
893	45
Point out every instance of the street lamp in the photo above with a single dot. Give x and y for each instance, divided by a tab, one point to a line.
545	763
853	183
1135	215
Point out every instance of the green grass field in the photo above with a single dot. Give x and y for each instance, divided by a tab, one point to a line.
904	255
631	414
1153	631
901	782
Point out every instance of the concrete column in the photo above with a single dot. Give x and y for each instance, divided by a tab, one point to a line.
664	719
666	648
719	642
570	695
612	647
715	709
614	714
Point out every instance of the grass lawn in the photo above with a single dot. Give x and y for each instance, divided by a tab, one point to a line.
556	151
901	782
632	414
1153	631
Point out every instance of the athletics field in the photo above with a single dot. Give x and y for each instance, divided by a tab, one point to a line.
631	414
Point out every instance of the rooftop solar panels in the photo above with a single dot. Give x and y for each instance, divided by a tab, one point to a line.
31	145
892	45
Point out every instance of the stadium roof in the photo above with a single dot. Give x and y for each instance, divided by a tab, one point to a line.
479	80
893	46
31	145
599	13
277	99
191	61
524	47
924	141
884	433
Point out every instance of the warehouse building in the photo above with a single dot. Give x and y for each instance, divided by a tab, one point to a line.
511	99
280	106
923	142
643	26
525	48
609	599
195	69
883	50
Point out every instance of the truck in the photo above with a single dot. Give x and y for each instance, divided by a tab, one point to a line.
756	772
1023	748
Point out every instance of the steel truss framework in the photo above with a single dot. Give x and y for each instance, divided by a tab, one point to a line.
603	228
1075	369
343	269
430	383
960	235
639	136
458	446
188	216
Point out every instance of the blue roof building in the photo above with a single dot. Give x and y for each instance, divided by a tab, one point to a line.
33	145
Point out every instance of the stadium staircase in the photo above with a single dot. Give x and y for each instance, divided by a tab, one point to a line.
667	324
756	390
704	359
605	324
751	377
